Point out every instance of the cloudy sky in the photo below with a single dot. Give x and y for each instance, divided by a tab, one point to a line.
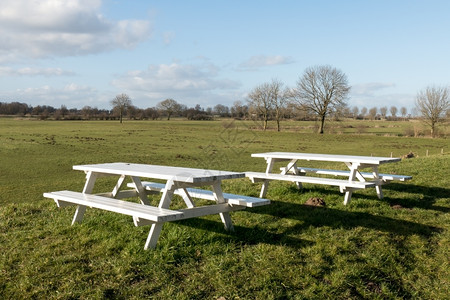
85	52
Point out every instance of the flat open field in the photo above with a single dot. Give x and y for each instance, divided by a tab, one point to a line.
394	248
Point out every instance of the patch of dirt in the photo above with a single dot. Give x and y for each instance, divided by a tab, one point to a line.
409	155
315	201
372	286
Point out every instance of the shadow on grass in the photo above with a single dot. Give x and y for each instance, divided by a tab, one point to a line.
430	195
309	216
427	201
319	216
247	235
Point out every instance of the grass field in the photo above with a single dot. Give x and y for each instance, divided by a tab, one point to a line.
394	248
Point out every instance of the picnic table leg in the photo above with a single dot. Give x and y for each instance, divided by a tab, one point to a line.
292	165
265	184
186	197
347	197
218	195
140	189
118	186
155	230
264	187
376	177
353	174
88	188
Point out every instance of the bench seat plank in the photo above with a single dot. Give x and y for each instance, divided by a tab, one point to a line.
233	199
199	212
136	210
384	177
307	179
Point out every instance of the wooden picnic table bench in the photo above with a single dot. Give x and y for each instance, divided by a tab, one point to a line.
383	177
231	199
136	210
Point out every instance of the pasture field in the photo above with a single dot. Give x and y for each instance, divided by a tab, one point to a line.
394	248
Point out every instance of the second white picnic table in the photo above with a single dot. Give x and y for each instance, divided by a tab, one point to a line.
356	178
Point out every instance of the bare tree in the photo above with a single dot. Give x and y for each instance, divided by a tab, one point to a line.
221	110
383	111
169	106
431	104
238	110
393	111
373	113
121	103
267	98
279	98
261	100
403	111
355	111
321	90
364	112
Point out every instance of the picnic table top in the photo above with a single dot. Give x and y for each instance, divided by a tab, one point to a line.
374	160
181	174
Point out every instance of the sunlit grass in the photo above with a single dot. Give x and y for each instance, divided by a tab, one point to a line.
285	250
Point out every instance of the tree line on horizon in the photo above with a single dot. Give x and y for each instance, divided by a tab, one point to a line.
238	110
320	93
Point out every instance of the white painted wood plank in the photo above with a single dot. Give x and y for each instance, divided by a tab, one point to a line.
327	157
386	177
114	205
307	179
195	212
208	195
189	175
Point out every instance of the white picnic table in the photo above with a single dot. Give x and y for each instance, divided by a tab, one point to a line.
355	178
178	180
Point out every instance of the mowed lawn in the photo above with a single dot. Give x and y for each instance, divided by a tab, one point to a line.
394	248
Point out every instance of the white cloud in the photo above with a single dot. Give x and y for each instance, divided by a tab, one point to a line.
187	83
48	72
71	95
256	62
368	89
51	28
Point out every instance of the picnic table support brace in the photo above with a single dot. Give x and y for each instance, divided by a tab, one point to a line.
225	216
292	166
141	190
353	174
118	186
265	184
376	177
88	188
156	228
187	199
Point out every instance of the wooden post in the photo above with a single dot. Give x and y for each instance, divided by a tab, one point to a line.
427	152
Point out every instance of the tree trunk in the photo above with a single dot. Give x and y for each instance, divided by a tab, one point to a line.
266	117
322	122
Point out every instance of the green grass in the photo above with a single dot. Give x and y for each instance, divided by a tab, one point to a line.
282	251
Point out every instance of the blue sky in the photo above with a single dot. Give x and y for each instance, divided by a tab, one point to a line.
84	52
